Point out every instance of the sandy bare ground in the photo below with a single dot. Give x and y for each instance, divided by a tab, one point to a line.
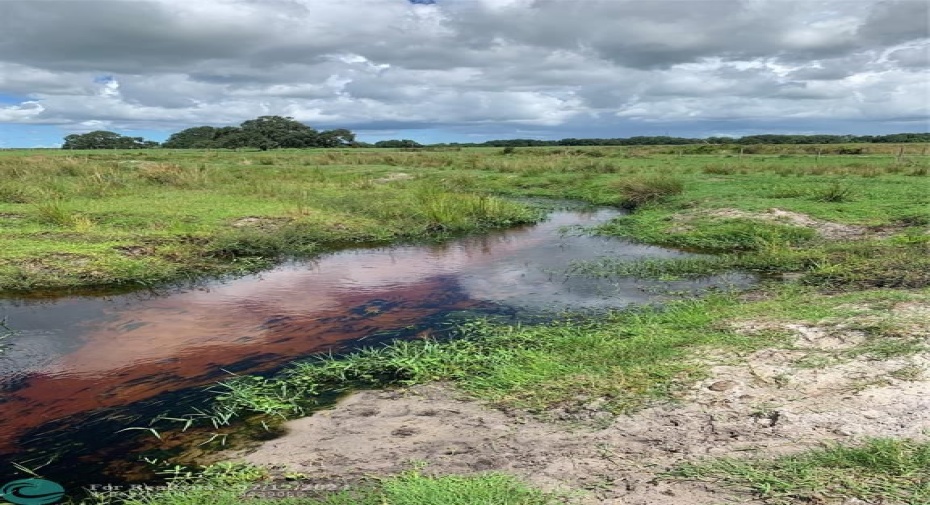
763	403
825	229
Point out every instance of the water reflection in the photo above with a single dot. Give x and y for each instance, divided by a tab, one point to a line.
80	355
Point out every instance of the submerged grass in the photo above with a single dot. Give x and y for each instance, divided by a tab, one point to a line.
877	471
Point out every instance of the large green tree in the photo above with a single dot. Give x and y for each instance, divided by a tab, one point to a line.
277	131
265	132
206	137
398	143
102	139
336	138
199	137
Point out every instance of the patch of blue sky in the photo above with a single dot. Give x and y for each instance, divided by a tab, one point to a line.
32	136
10	99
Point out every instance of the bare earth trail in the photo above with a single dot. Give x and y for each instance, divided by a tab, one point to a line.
760	404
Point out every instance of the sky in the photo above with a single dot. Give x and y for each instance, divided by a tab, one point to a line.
464	70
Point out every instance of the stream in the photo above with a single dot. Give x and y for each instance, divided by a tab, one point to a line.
77	370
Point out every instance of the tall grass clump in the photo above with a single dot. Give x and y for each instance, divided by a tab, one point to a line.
103	183
641	190
172	174
449	211
55	213
833	193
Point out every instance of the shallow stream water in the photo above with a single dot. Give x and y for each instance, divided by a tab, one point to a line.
79	369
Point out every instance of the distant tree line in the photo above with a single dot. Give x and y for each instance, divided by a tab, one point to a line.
271	132
748	140
405	143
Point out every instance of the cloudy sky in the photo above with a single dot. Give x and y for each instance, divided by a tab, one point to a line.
466	70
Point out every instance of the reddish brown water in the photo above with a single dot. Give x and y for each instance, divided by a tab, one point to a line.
78	359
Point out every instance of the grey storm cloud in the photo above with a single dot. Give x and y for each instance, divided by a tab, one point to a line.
463	65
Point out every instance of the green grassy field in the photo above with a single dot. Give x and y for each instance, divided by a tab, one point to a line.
73	219
827	231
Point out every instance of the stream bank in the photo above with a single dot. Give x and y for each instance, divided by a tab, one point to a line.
81	370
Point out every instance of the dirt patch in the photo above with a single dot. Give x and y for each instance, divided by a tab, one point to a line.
759	404
383	433
826	229
264	223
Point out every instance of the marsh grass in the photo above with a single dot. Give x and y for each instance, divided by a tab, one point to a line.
184	204
628	359
877	471
721	235
828	266
641	190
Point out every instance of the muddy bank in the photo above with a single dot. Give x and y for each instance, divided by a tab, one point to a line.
759	404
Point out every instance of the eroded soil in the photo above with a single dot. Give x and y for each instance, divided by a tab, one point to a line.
825	229
823	386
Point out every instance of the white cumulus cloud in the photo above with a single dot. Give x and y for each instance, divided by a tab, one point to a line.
486	67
